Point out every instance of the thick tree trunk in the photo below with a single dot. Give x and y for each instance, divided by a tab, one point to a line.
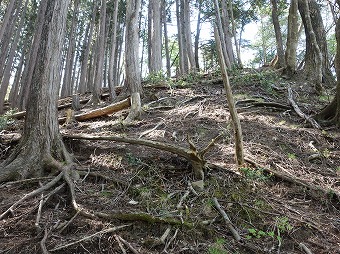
278	35
41	143
316	56
331	113
226	31
133	78
292	40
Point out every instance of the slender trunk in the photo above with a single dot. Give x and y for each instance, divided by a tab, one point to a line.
231	104
166	41
83	80
279	43
8	14
233	25
10	60
198	31
113	58
100	51
67	88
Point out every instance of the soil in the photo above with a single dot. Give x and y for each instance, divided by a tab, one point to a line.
147	190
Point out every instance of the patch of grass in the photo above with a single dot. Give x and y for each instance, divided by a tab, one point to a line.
217	247
255	174
291	156
156	78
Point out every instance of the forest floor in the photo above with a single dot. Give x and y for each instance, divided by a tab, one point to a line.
148	191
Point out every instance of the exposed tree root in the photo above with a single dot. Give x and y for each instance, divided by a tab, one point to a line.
195	157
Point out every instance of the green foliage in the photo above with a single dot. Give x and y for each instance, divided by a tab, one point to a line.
217	247
291	156
156	78
255	174
263	79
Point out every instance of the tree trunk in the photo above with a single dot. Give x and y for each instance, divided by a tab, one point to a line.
218	21
166	41
292	40
83	80
317	68
67	88
233	25
41	143
187	34
113	55
133	78
8	14
278	35
99	54
155	35
226	31
231	104
198	32
7	72
331	113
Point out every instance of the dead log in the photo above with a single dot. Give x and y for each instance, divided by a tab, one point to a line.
195	157
112	108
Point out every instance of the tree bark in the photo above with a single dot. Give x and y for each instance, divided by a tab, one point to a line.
67	88
100	52
278	35
83	80
316	56
331	113
41	143
166	41
155	35
133	78
113	55
292	40
231	104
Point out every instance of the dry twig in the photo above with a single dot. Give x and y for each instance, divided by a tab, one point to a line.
235	234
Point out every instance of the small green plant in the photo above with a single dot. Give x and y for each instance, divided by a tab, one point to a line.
283	226
338	169
255	233
134	161
291	156
255	174
217	247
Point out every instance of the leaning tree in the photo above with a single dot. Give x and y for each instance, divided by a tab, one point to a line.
41	146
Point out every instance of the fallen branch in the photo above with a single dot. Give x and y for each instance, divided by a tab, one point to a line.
305	248
299	112
105	231
192	154
235	234
101	111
